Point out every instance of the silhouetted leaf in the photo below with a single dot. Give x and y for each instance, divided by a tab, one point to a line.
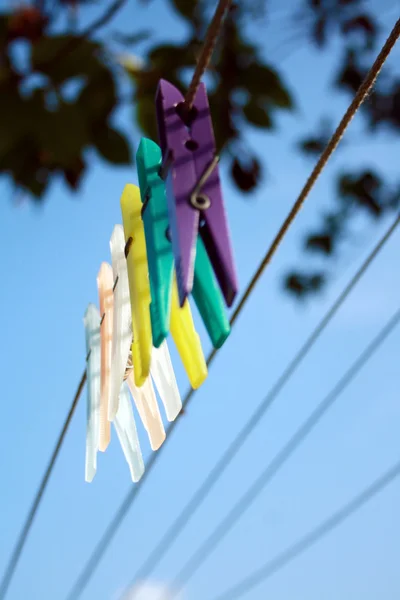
223	117
363	23
73	174
302	285
246	176
262	81
172	57
98	97
351	76
129	40
257	115
62	134
65	56
112	145
146	116
319	31
186	8
313	146
363	189
320	243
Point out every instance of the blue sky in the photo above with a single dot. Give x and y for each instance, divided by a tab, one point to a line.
51	258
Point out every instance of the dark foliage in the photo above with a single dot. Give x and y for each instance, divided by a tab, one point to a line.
62	105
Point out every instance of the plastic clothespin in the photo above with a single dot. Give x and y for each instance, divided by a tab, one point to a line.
206	292
194	195
161	367
187	340
122	320
92	333
146	404
139	286
124	420
163	375
105	286
127	434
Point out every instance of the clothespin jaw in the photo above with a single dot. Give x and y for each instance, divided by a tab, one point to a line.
195	203
206	292
208	298
139	286
187	340
106	302
159	251
92	334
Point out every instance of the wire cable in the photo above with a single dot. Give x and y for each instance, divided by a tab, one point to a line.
224	527
292	552
203	62
363	91
19	546
188	512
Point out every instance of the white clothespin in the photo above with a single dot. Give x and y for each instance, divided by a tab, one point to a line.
127	434
92	331
162	372
144	397
161	366
105	287
124	419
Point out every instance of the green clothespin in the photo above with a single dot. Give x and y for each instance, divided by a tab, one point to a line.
206	291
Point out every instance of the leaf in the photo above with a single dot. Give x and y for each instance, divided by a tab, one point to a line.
302	285
146	116
65	56
98	97
351	76
263	82
170	57
247	176
73	174
320	243
14	120
186	8
257	115
223	116
364	189
319	31
63	134
128	40
363	23
312	146
112	145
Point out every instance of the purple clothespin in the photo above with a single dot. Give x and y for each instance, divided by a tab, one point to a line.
195	203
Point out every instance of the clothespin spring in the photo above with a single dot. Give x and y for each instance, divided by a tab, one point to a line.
198	200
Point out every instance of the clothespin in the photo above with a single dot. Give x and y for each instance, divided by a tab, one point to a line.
182	327
139	286
161	368
127	434
194	196
121	366
146	404
105	287
124	419
92	333
206	292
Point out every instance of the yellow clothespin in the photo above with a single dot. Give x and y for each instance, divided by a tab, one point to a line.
139	286
182	327
187	339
